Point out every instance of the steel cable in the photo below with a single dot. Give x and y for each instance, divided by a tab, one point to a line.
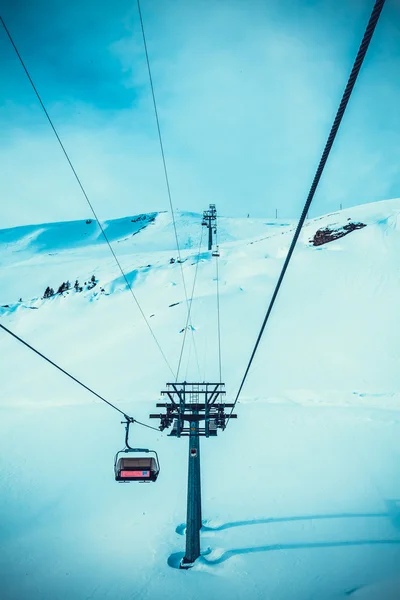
188	319
85	194
14	335
376	12
164	162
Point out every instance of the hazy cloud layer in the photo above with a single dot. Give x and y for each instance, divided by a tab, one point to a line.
247	92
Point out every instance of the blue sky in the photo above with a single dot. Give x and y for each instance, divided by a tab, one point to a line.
247	91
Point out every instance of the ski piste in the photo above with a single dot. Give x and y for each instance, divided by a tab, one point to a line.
305	483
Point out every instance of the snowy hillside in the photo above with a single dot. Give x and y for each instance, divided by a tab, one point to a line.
300	493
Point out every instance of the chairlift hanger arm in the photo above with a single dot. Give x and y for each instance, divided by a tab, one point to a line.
128	423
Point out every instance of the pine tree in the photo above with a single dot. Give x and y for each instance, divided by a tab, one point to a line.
49	292
92	282
76	286
62	288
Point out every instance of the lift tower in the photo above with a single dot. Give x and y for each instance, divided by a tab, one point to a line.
210	221
188	405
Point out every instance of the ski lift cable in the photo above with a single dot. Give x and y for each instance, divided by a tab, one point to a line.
196	354
130	419
218	313
164	162
376	12
85	194
188	319
188	363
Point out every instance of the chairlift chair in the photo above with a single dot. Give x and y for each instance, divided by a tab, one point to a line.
216	251
140	468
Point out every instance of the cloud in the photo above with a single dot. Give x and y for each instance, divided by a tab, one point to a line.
119	170
246	92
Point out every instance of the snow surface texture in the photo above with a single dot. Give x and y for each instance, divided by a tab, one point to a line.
300	494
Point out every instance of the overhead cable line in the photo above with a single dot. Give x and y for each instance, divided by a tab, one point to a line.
159	133
130	419
163	156
335	127
188	319
85	194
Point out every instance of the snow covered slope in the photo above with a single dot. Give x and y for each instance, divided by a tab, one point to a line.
300	493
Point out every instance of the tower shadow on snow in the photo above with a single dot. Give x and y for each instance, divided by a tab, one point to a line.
174	559
310	545
393	513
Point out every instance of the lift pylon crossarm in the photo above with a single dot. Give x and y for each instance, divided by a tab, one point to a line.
186	407
211	392
175	384
170	396
177	392
214	396
200	406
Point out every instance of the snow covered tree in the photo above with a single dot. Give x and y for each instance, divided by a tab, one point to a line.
48	293
64	287
92	283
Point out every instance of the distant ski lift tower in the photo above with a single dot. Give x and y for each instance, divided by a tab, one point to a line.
210	221
189	404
